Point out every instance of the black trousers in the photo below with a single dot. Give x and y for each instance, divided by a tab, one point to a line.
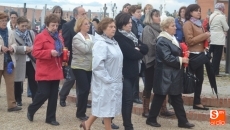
149	75
177	103
217	51
30	73
68	84
127	102
199	73
83	79
46	90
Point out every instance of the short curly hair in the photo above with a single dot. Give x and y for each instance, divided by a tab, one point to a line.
104	24
166	22
52	18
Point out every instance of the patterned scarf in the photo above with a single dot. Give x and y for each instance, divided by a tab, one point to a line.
196	21
58	44
129	35
4	35
25	36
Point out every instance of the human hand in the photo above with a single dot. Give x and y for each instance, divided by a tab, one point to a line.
4	49
137	48
54	53
28	49
11	50
185	60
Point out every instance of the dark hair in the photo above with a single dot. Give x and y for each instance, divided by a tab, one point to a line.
13	12
52	18
103	25
148	17
122	19
183	7
134	8
191	8
57	8
127	4
96	20
22	19
3	15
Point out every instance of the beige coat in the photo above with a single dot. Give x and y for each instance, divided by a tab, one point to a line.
20	56
12	43
82	52
218	27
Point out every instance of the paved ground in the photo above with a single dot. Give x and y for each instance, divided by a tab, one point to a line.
67	120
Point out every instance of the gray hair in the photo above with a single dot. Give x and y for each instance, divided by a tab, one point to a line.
219	6
75	11
166	22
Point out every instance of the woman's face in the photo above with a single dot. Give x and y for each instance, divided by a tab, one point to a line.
53	27
156	18
147	10
196	14
110	30
126	9
58	12
22	26
137	14
85	26
13	18
182	13
128	27
3	23
171	29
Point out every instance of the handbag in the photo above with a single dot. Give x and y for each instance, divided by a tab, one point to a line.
189	82
68	73
198	60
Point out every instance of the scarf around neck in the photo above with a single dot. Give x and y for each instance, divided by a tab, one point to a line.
196	21
139	26
25	36
5	34
129	35
57	41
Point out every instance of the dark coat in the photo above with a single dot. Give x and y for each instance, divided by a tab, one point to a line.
131	55
61	24
135	29
168	75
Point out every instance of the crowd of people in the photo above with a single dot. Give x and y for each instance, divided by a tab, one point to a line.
107	58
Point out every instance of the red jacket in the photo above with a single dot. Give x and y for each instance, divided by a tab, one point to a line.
47	67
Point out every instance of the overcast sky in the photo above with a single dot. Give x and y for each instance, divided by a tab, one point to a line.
96	5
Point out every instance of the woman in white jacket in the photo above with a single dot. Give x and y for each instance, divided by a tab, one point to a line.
107	75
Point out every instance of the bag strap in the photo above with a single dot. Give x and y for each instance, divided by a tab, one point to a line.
31	37
18	42
212	19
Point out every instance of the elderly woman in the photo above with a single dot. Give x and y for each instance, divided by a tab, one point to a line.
7	61
11	25
133	51
195	37
147	9
149	36
82	64
179	24
107	75
48	53
25	61
168	75
218	29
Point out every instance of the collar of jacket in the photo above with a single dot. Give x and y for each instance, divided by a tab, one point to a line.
45	32
218	11
166	35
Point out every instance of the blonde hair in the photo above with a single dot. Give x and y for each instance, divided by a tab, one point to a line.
166	22
148	6
78	24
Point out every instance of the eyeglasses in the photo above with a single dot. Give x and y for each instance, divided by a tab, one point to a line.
3	21
13	17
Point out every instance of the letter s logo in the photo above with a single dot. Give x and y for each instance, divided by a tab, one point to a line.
214	114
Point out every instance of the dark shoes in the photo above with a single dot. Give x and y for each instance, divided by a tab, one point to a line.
89	105
200	108
154	124
83	118
62	103
113	126
138	101
55	123
30	117
186	125
17	108
19	103
167	113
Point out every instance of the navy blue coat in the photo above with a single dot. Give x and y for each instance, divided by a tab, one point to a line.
179	31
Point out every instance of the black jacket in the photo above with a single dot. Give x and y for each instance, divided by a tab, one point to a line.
61	24
135	29
168	75
130	54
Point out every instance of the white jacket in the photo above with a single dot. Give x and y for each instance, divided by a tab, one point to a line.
218	27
